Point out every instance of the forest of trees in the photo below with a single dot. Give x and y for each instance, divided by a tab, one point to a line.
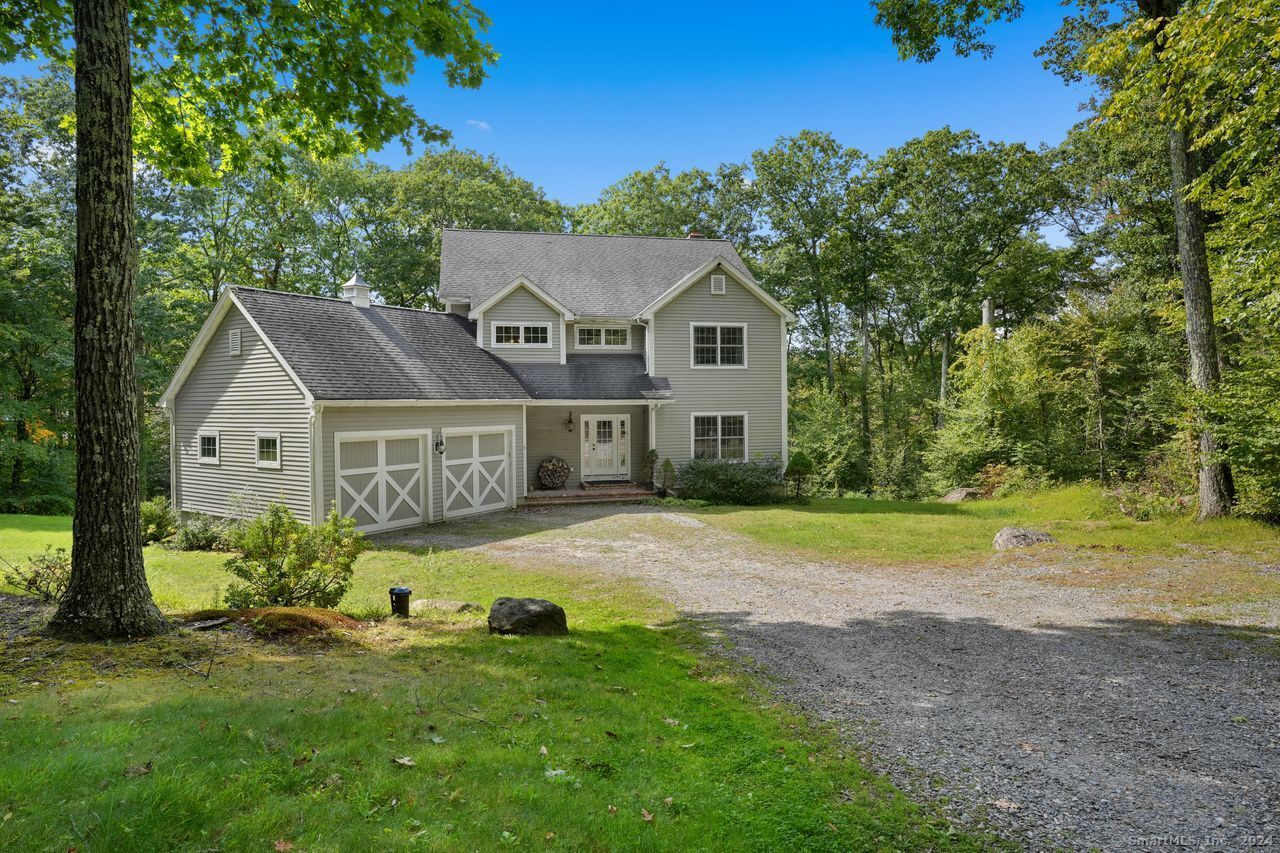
973	311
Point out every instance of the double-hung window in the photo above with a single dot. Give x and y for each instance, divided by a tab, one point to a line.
603	337
718	345
521	334
720	436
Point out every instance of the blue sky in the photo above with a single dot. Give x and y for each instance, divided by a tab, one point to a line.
585	93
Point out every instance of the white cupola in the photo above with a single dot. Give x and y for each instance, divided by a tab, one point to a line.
356	291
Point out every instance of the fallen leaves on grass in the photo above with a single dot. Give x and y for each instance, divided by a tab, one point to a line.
613	809
283	845
405	761
137	770
646	815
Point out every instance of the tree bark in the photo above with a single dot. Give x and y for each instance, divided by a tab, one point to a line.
1193	261
942	380
1197	297
108	595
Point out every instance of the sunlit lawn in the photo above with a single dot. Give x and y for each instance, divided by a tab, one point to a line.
622	736
904	532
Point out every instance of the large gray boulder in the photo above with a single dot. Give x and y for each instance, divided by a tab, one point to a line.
527	616
1019	537
960	495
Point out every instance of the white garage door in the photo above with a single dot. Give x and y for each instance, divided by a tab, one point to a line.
478	471
381	478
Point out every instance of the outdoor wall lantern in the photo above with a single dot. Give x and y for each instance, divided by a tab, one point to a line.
568	423
438	446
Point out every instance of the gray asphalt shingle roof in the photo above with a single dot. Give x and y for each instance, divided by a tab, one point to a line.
592	377
341	352
591	274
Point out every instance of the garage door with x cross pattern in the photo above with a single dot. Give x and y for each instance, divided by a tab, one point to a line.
381	480
477	471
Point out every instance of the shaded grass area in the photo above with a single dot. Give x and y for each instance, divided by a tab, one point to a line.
878	531
428	733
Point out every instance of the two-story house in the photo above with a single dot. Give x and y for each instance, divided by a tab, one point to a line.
591	348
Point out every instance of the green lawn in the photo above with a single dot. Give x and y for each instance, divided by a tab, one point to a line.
622	736
903	532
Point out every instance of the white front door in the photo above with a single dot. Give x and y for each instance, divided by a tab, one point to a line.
606	447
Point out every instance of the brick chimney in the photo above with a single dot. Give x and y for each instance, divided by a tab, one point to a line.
694	235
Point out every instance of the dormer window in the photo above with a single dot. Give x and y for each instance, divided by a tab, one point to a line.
522	335
717	285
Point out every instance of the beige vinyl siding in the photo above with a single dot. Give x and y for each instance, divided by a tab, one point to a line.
336	418
756	389
238	396
636	339
548	437
520	307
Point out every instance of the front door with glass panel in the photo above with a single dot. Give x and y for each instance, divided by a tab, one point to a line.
606	447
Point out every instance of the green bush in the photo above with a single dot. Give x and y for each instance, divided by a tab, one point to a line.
203	533
649	466
726	482
159	521
45	575
678	503
286	563
666	477
799	469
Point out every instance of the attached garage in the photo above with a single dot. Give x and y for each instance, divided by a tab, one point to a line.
479	470
383	479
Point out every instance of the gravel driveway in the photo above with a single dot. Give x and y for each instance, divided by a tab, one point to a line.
1041	709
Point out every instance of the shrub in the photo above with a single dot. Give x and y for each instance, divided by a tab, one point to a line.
799	469
666	477
723	481
203	533
678	503
287	563
649	467
45	575
159	521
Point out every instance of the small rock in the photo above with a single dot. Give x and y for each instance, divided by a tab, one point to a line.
419	605
1019	537
960	495
531	616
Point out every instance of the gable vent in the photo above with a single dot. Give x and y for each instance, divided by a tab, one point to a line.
234	340
717	284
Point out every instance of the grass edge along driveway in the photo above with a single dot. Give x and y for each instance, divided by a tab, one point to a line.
428	734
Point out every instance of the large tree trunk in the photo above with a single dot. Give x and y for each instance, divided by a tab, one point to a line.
108	594
1193	259
1197	295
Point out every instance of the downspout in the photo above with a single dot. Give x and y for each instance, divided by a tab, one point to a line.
317	480
172	415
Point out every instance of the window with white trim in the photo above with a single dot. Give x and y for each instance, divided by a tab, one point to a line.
604	337
267	449
233	340
719	346
717	284
208	448
720	437
522	334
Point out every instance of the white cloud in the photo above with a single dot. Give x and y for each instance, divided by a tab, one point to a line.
479	124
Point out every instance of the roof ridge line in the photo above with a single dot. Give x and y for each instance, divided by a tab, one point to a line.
584	234
333	299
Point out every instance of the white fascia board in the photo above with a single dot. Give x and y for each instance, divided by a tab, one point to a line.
692	278
521	281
